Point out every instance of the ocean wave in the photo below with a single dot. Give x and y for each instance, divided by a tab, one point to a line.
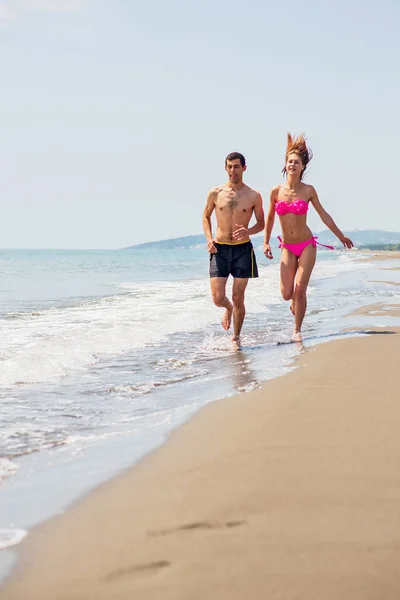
48	345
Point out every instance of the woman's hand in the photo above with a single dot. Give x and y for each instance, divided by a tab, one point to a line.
347	243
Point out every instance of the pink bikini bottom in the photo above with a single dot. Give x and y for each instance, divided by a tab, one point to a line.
297	249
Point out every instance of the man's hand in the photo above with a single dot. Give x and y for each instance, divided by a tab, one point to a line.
210	247
241	233
347	243
267	251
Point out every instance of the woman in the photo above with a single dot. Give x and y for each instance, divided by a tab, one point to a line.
290	202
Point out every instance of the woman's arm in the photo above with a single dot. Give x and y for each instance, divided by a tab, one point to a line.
327	219
269	222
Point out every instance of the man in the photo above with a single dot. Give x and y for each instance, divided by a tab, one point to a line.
231	251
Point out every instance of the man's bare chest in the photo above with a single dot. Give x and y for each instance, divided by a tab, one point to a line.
229	203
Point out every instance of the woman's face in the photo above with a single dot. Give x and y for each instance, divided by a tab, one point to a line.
294	165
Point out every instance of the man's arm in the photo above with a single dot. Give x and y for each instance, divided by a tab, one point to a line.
269	223
208	211
259	215
327	219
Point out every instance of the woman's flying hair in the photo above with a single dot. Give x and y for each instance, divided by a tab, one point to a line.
297	145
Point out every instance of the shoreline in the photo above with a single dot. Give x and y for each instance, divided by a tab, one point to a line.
380	254
166	508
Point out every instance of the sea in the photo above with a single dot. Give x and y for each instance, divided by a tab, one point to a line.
104	352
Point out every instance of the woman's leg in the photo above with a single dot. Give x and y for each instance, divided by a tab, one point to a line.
289	263
305	267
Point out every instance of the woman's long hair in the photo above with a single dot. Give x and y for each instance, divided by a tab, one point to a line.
297	145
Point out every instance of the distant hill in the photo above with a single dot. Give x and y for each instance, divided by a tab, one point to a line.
189	241
362	238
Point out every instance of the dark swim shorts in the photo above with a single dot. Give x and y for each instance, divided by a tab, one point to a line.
237	260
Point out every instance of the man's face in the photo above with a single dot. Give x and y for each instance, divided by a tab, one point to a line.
234	170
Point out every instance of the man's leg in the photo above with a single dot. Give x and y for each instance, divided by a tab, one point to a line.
239	311
306	265
218	291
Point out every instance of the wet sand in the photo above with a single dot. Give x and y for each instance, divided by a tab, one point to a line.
378	310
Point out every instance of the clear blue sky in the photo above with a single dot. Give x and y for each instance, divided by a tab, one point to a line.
116	115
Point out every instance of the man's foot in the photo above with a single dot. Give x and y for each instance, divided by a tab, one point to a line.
296	337
236	341
227	318
292	307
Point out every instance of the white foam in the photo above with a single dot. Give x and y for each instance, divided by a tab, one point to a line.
7	468
344	263
11	537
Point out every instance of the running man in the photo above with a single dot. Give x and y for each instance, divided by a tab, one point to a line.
231	251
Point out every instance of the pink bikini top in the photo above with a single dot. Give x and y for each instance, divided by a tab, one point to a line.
297	207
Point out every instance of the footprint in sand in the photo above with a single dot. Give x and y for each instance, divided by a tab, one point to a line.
144	568
198	525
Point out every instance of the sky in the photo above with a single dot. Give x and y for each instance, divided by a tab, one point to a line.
116	116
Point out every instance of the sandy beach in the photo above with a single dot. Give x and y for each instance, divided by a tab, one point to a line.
290	492
381	254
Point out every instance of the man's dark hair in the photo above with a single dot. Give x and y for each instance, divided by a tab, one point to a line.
234	155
